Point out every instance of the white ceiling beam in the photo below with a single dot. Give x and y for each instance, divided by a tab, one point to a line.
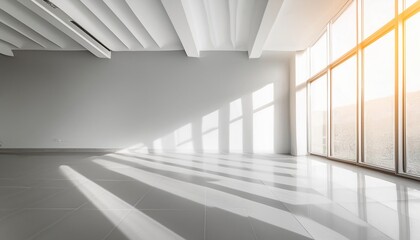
233	10
103	13
6	49
38	24
131	22
12	37
21	28
218	13
246	9
177	12
152	15
212	32
61	21
85	18
268	20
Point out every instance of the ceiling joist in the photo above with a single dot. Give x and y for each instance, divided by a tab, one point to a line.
152	15
78	12
177	12
6	49
102	26
21	28
233	9
9	35
271	12
38	24
105	15
62	21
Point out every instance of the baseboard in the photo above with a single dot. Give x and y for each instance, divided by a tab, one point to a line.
57	150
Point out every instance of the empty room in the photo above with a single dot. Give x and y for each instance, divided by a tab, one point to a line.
209	119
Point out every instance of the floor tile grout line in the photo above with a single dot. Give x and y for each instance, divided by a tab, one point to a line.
205	214
12	194
265	182
55	222
14	212
252	228
47	198
367	223
128	212
294	216
18	210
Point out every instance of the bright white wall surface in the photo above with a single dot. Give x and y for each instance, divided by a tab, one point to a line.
299	73
157	100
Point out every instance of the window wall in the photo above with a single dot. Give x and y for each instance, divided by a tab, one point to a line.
344	110
412	93
344	32
364	88
319	53
379	102
318	115
376	13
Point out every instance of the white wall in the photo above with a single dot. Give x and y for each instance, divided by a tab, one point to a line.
155	99
299	73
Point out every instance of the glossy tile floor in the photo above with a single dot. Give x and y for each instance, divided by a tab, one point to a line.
192	197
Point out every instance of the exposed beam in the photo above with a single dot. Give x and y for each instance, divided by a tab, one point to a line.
271	12
103	13
244	14
218	12
177	12
78	12
60	20
121	9
11	36
38	24
21	28
6	49
233	9
151	14
212	31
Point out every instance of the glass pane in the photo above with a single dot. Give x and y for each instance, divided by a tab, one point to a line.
408	3
319	116
376	13
413	94
343	32
379	102
343	100
319	55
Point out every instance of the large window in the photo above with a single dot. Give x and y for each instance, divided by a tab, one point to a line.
376	13
319	54
344	110
344	32
408	3
364	86
318	116
413	94
379	102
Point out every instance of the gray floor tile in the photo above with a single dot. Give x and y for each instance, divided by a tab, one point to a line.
223	225
28	222
158	199
303	197
65	199
266	231
129	192
84	225
8	191
27	198
161	224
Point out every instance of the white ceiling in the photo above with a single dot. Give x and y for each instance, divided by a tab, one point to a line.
162	25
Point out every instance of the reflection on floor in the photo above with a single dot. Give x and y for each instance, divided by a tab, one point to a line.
201	196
